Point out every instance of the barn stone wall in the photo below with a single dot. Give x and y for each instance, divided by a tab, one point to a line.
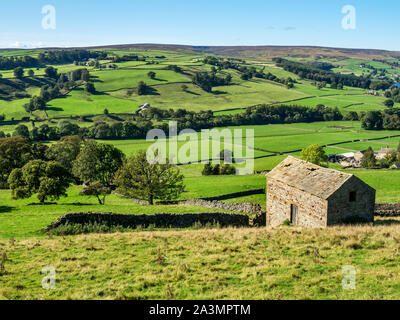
312	210
341	210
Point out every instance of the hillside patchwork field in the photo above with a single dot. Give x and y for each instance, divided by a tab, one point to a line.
115	87
201	262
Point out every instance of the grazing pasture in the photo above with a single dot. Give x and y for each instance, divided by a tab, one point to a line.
273	264
210	262
116	88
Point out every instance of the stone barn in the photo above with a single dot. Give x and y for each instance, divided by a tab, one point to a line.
311	196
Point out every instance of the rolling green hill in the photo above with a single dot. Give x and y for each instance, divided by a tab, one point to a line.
116	88
211	263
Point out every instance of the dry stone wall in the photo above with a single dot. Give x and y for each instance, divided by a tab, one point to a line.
241	207
387	209
162	220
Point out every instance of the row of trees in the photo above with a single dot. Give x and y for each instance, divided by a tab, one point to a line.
289	82
58	82
247	73
126	58
388	119
322	65
49	57
310	72
393	96
208	80
258	115
220	63
29	169
174	68
224	167
100	130
19	72
218	170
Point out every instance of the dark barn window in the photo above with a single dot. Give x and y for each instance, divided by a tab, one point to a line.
353	196
294	214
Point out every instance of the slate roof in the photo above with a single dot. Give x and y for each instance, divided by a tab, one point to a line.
308	177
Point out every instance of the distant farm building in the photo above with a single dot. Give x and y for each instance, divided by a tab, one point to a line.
345	159
145	106
312	196
379	155
395	166
351	159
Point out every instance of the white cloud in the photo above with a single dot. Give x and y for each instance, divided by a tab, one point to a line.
31	45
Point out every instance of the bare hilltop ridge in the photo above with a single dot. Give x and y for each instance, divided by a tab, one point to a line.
259	51
77	193
268	51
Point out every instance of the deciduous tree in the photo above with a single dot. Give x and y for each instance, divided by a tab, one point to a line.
15	152
314	154
97	162
46	179
90	88
368	160
51	72
145	180
22	130
389	103
151	74
96	189
65	151
19	72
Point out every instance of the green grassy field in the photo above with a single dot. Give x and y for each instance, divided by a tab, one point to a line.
270	139
282	263
115	89
354	65
20	220
257	263
347	103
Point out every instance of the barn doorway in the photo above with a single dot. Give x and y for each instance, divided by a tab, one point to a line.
294	214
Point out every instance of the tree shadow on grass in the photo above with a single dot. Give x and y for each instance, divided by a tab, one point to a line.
63	96
217	92
42	204
78	204
54	109
95	79
387	222
191	92
5	209
100	93
150	91
37	82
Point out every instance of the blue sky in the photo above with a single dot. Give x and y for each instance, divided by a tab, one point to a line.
201	22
